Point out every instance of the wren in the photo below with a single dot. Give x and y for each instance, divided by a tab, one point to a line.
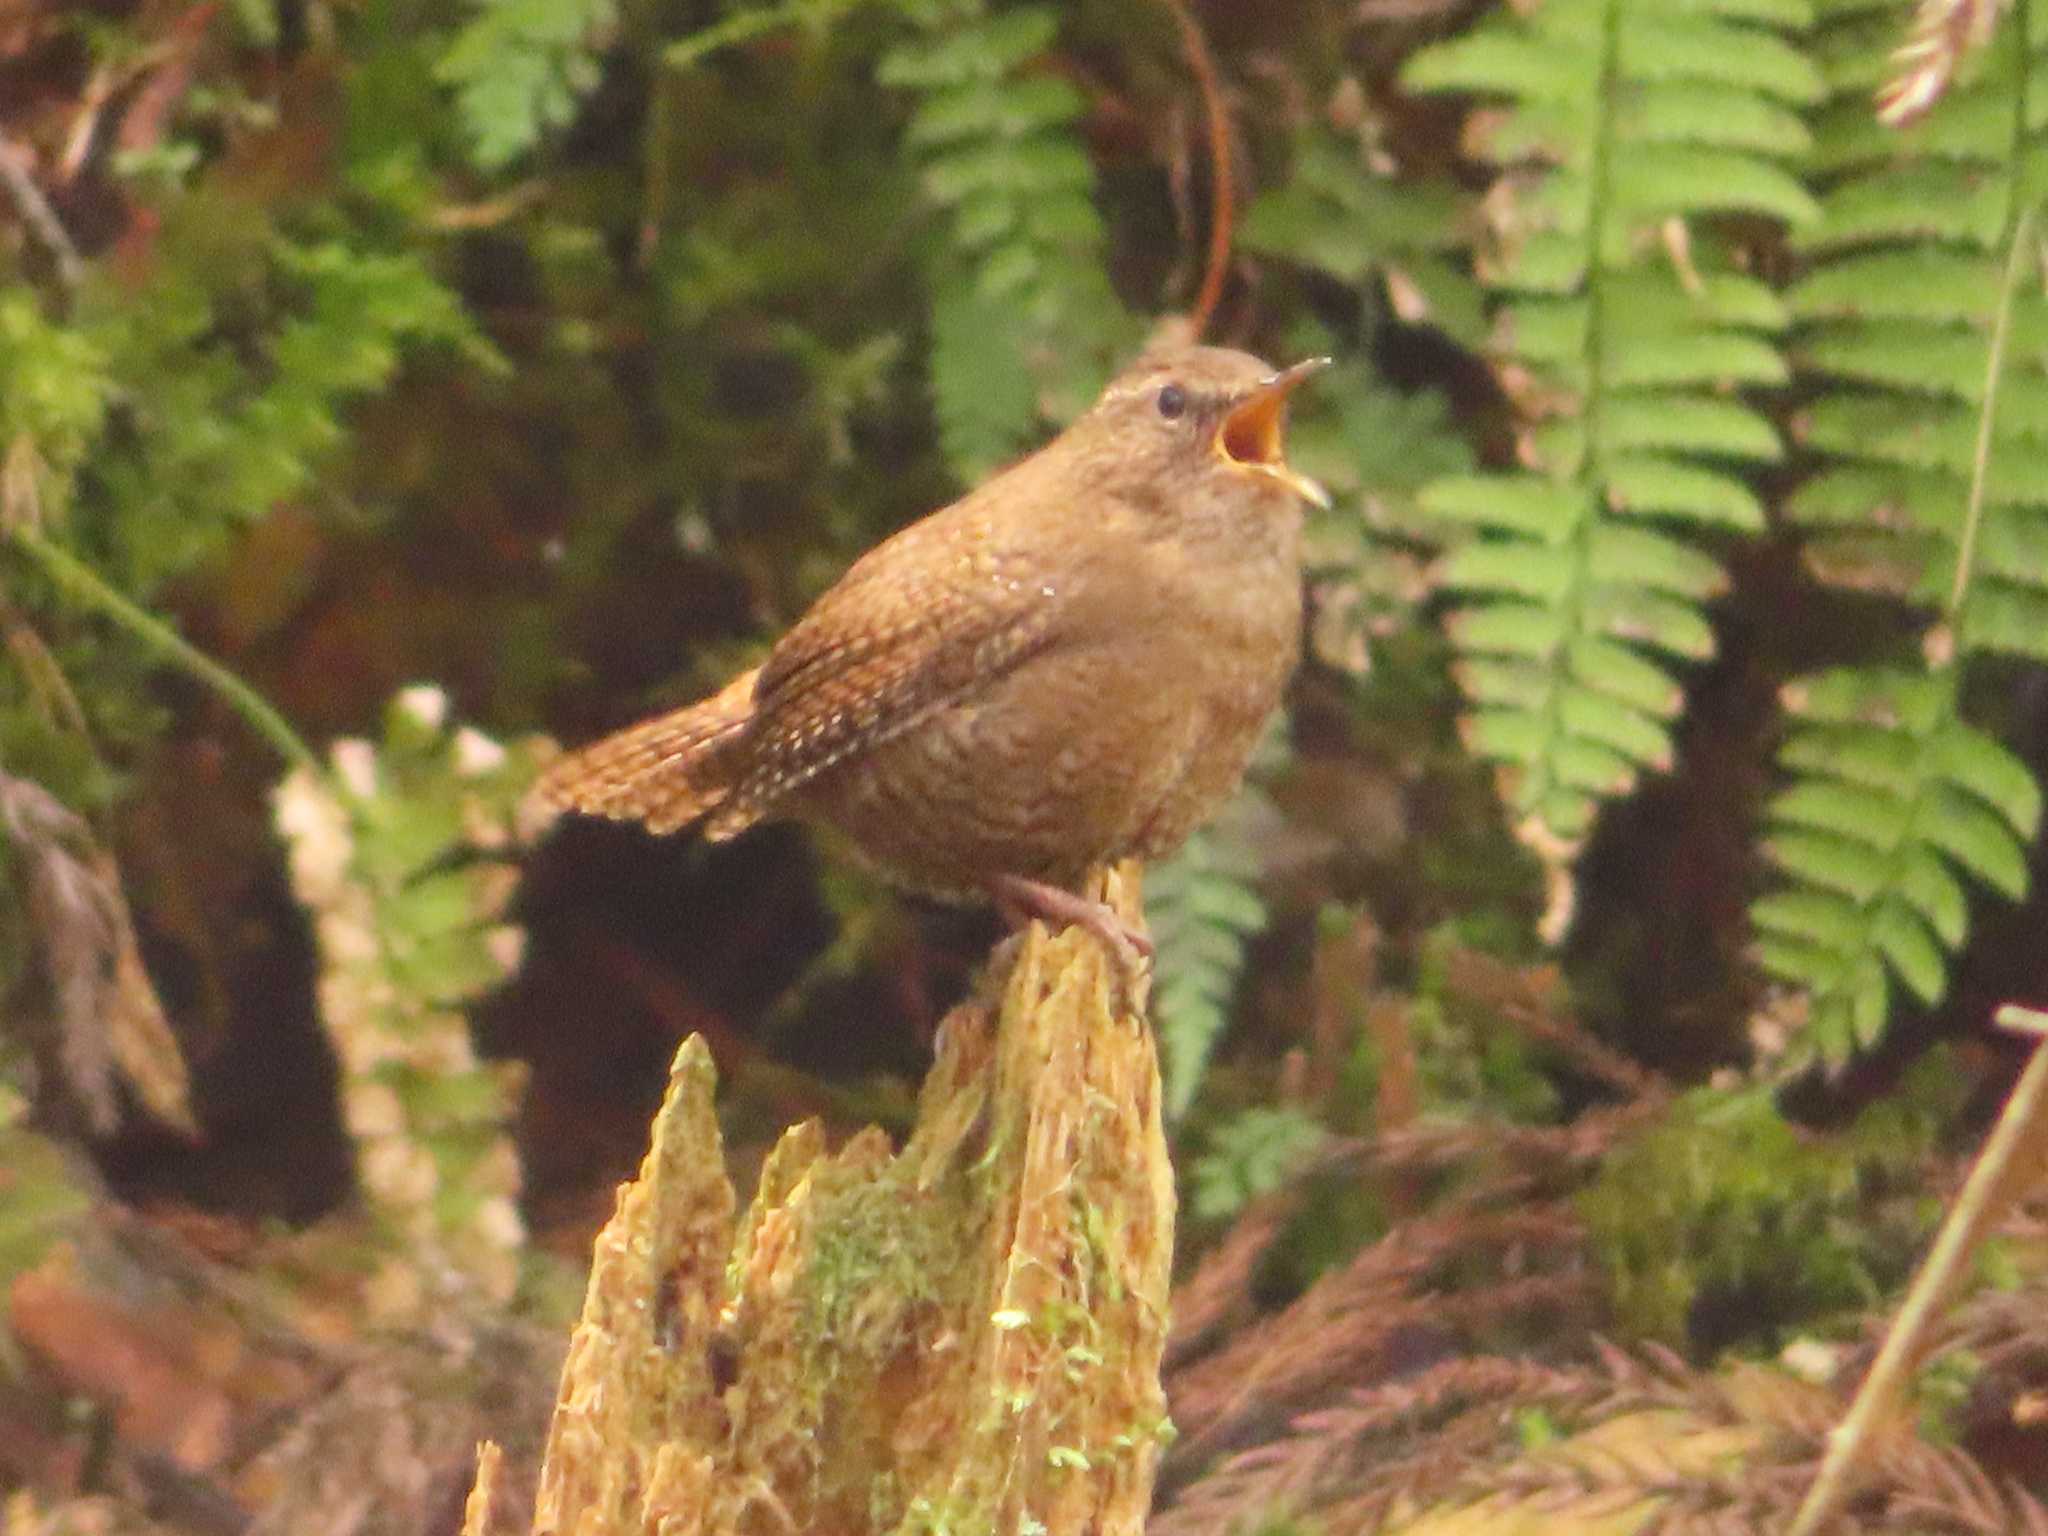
1066	667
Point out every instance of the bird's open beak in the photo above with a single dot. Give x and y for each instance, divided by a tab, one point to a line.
1250	436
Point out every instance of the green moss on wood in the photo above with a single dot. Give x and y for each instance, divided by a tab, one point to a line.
960	1337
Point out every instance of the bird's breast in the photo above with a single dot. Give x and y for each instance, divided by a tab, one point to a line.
1246	612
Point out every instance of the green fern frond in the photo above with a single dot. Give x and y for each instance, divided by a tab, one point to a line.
748	25
1398	243
1251	1154
55	384
1623	331
401	856
1373	448
1893	799
154	423
1922	319
518	69
1919	270
1204	908
1337	214
986	405
1025	325
216	442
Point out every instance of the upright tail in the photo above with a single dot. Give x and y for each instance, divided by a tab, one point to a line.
665	772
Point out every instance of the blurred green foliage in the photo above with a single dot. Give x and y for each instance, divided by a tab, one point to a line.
518	69
1251	1154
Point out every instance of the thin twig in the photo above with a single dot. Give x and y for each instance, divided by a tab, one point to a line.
1980	459
38	215
1222	189
661	115
2014	1144
457	218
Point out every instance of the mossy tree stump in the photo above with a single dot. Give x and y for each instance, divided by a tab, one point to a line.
961	1337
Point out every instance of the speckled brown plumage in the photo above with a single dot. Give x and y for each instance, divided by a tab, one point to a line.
1065	667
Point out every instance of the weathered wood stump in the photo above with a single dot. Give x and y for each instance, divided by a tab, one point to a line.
962	1337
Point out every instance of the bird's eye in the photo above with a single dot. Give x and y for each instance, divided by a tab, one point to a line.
1173	402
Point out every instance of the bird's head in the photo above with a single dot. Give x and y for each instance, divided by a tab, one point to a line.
1203	420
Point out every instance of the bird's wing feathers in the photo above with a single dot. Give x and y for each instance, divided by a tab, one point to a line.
923	621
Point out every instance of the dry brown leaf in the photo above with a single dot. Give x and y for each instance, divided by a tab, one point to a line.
90	1012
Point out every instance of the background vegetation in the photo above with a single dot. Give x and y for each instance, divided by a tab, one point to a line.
1605	947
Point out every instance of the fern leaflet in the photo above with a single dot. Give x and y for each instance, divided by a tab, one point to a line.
1893	795
1623	327
518	69
1204	907
1024	322
1251	1154
1921	316
400	858
1336	214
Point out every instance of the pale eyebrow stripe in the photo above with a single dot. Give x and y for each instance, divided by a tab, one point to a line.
1145	386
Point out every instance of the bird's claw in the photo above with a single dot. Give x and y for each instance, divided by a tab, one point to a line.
1020	900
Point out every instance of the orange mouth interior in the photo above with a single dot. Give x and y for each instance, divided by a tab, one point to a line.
1251	433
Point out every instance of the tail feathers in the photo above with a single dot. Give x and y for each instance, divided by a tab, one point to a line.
666	772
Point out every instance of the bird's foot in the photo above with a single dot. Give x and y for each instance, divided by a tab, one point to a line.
1020	900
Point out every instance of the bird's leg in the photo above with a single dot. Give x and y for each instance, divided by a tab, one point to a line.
1020	900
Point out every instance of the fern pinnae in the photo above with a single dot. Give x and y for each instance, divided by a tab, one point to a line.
1205	908
1933	489
1621	336
519	69
1024	321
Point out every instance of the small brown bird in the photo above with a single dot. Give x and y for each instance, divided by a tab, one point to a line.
1065	667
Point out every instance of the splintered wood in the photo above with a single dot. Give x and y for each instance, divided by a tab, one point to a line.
962	1337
